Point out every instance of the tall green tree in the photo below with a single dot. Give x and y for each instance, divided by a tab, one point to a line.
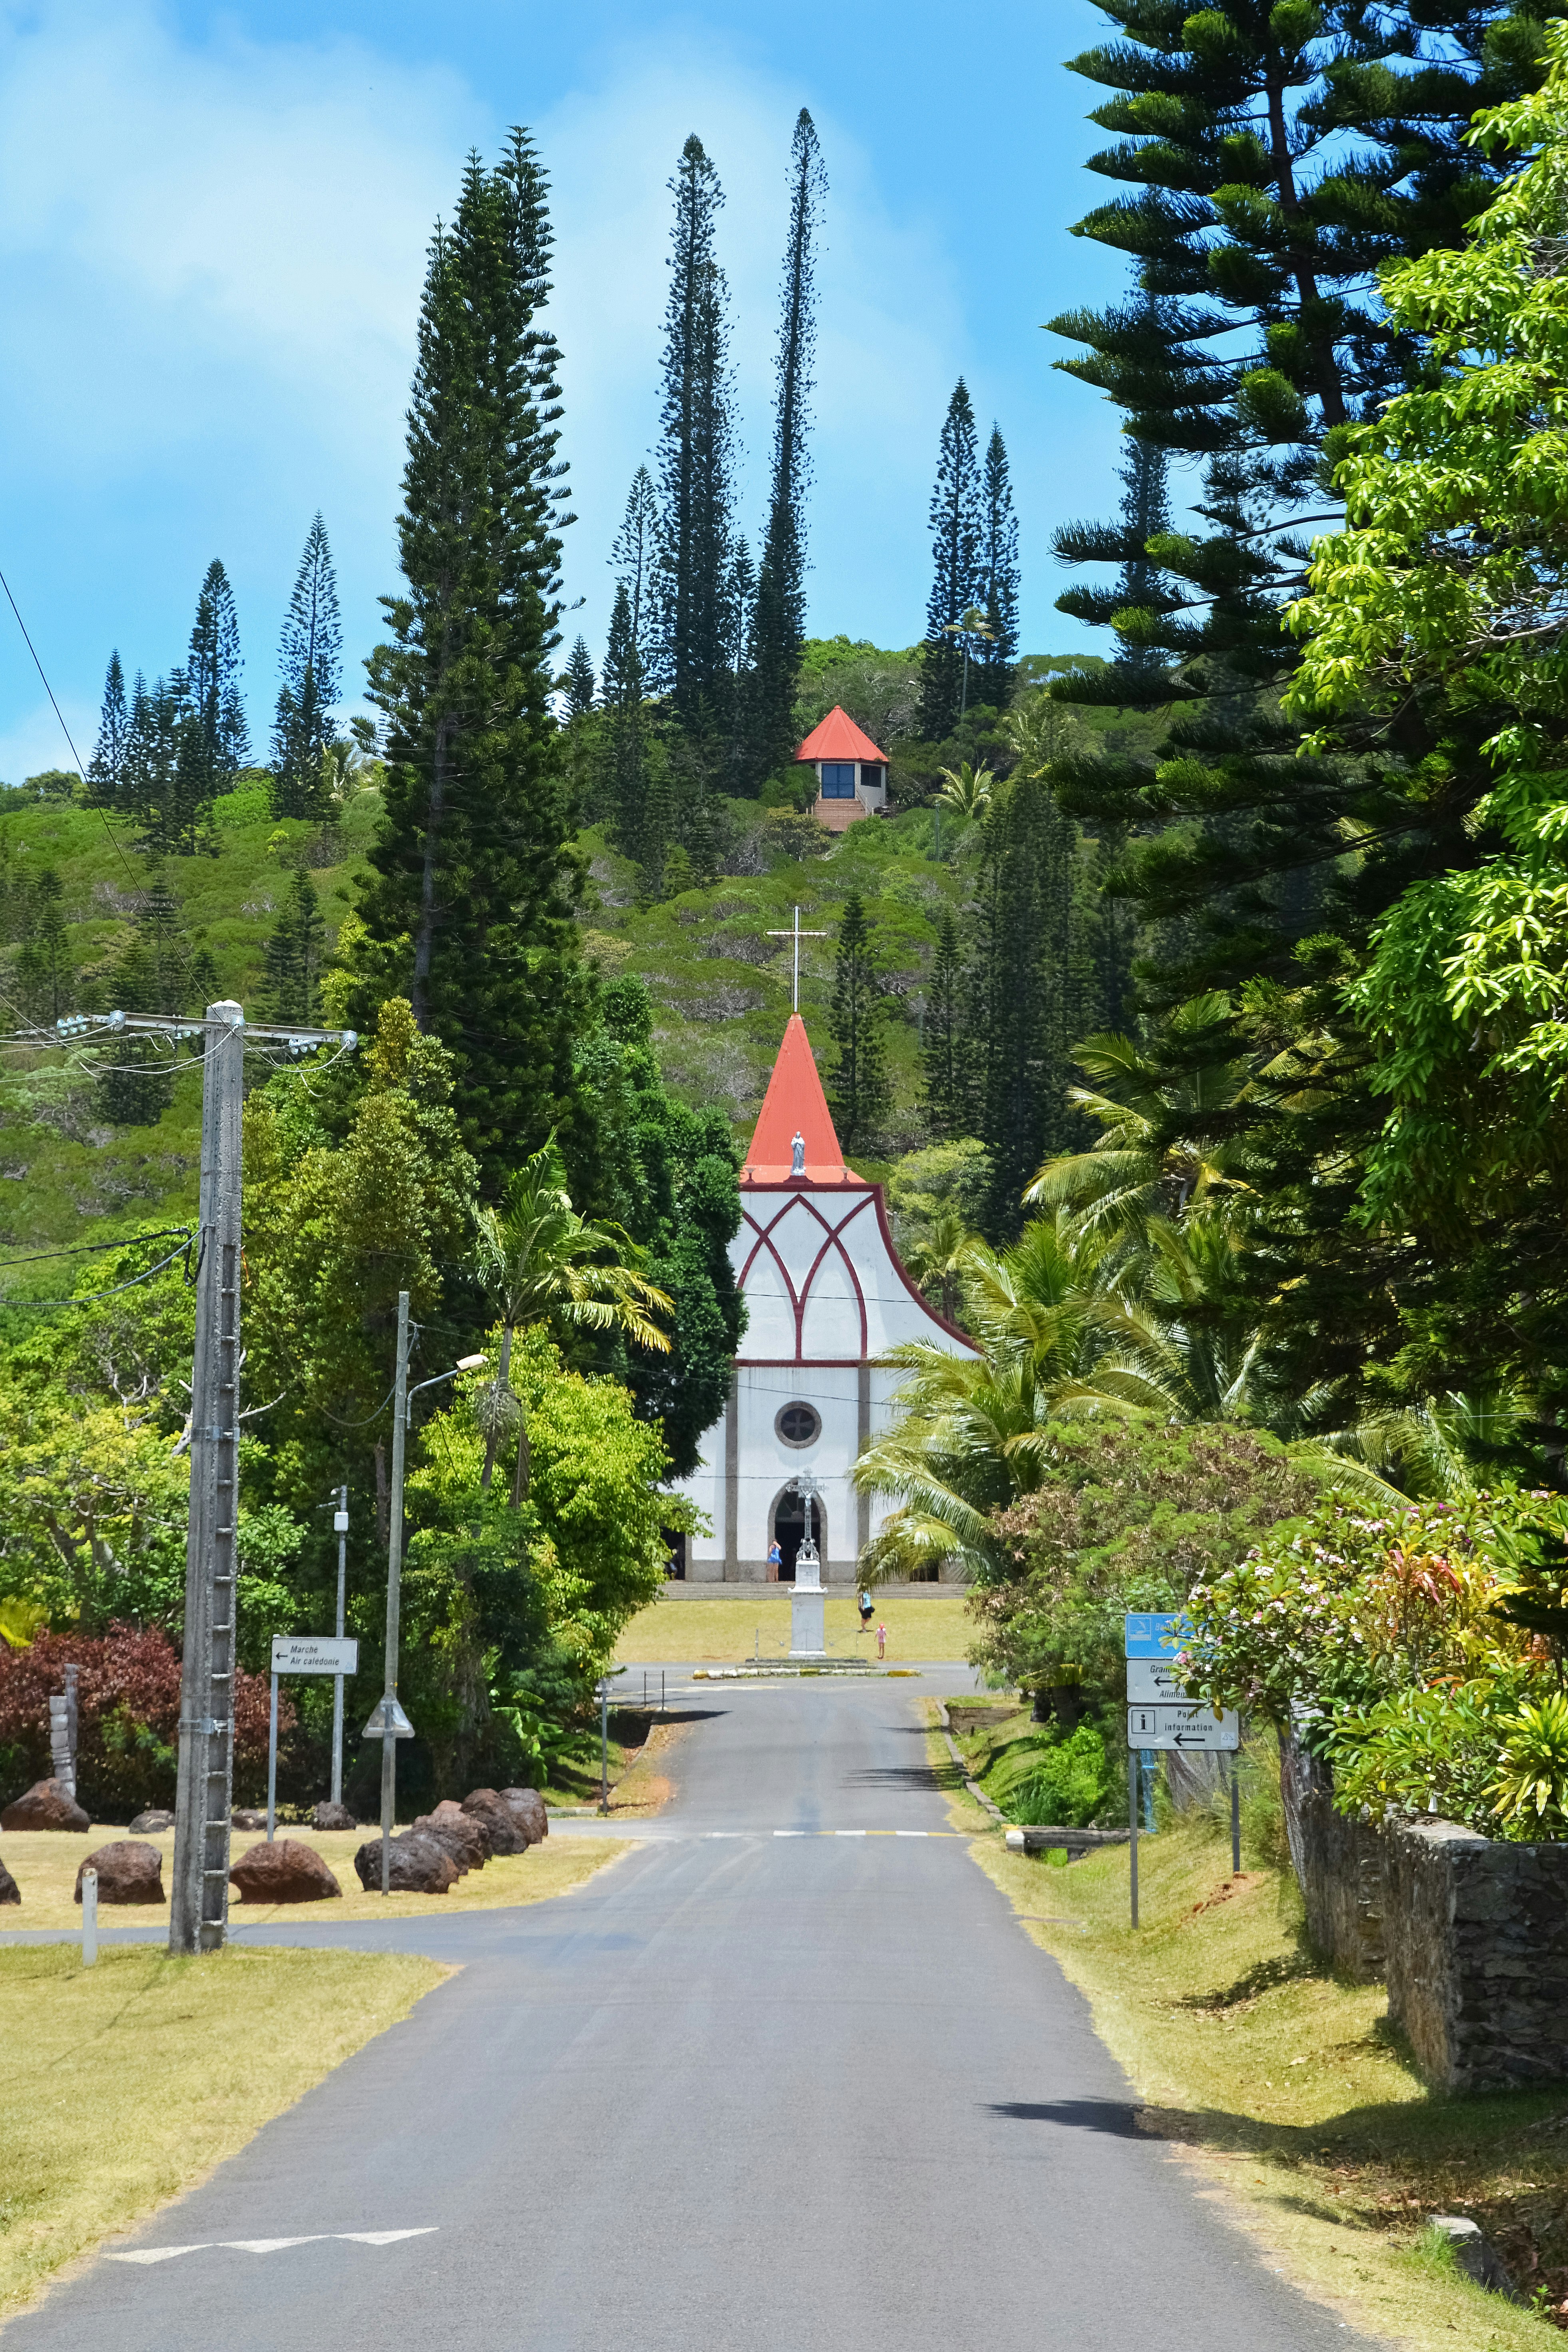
945	1045
957	531
310	666
1017	988
295	951
216	731
46	974
159	970
106	767
474	877
999	566
637	564
780	628
695	448
577	681
859	1090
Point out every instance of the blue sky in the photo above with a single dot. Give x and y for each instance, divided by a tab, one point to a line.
212	233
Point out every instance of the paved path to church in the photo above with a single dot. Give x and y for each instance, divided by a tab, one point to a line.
744	2093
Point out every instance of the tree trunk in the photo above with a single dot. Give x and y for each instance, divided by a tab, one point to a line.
493	1436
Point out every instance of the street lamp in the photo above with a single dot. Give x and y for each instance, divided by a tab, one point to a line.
388	1723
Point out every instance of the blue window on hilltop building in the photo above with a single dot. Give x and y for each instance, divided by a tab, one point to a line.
838	780
870	777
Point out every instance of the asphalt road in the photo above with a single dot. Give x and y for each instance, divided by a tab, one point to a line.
745	2092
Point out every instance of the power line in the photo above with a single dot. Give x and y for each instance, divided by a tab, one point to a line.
83	1249
87	1297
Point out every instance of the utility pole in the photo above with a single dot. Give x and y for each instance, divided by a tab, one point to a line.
198	1904
198	1910
340	1526
393	1597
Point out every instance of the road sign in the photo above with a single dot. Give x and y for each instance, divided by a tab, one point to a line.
1187	1728
313	1654
387	1716
1151	1683
1155	1633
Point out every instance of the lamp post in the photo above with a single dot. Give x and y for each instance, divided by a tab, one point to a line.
389	1722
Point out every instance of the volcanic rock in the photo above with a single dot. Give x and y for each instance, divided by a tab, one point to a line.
127	1872
507	1834
46	1805
464	1836
155	1820
249	1817
9	1890
327	1816
528	1806
288	1871
419	1866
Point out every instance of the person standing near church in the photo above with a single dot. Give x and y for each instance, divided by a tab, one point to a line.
881	1641
865	1611
776	1561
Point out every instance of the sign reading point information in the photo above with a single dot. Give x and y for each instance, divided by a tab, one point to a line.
1159	1712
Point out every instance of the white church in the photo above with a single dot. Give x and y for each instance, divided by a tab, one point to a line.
826	1297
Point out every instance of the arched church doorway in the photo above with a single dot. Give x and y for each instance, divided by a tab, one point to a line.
789	1532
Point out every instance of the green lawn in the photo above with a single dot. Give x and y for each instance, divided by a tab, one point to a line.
727	1629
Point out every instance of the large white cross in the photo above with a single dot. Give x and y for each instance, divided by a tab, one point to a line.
797	935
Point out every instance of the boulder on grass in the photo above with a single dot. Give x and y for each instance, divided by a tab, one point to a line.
527	1807
464	1836
9	1890
327	1816
419	1866
249	1817
288	1871
506	1833
127	1872
46	1805
153	1823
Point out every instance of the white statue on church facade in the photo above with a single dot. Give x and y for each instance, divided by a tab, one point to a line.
797	1154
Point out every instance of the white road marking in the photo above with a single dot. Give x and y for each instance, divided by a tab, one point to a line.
272	2245
911	1833
791	1833
848	1832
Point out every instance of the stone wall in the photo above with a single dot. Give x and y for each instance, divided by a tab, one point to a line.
1477	1955
1339	1864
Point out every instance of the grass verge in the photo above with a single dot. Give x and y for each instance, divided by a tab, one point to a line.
725	1630
127	2083
44	1863
1289	2094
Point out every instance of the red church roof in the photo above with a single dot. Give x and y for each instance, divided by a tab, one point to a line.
795	1103
838	738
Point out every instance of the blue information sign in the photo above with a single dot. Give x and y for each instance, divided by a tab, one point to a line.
1155	1633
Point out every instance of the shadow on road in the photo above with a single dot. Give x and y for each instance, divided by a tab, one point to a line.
1114	2117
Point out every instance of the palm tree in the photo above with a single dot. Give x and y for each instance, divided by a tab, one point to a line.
1154	1154
966	789
938	1258
538	1258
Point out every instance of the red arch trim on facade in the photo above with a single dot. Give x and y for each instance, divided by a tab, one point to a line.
800	1299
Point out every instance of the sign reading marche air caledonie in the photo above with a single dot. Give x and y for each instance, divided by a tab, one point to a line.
315	1653
1159	1713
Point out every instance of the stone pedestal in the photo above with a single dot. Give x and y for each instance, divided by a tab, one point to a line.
807	1637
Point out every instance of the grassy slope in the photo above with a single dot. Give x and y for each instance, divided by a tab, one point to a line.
68	1176
1286	2090
127	2082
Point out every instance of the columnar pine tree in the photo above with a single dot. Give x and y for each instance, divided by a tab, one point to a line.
635	559
739	610
44	973
218	738
158	971
577	681
469	910
956	535
295	954
695	448
999	566
780	629
310	666
166	777
105	769
859	1092
945	1047
1018	994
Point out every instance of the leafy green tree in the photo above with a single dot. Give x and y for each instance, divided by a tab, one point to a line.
695	448
538	1259
858	1090
957	531
106	767
310	666
295	951
780	625
159	970
474	874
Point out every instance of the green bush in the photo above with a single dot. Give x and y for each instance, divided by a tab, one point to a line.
1062	1780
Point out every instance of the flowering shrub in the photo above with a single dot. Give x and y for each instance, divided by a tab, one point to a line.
128	1716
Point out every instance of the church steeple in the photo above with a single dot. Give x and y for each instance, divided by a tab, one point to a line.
795	1104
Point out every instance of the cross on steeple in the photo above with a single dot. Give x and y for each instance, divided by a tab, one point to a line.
797	935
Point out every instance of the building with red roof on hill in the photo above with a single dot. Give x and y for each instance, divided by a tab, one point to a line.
826	1298
851	772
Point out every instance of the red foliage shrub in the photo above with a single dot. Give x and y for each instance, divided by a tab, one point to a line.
128	1718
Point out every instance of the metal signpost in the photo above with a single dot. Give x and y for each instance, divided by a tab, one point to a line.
88	1918
341	1529
1161	1716
302	1653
